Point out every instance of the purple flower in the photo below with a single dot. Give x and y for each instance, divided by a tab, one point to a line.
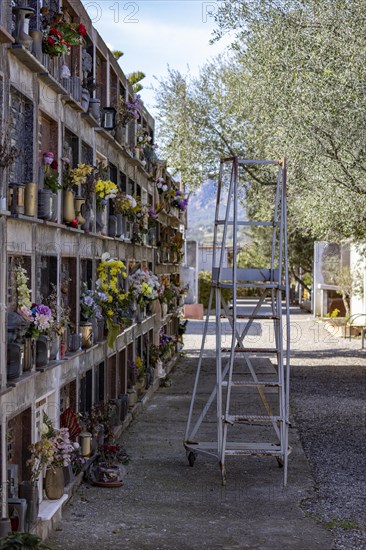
44	310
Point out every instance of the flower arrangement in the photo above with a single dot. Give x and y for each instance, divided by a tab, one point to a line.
62	313
128	111
162	185
178	200
133	373
23	293
59	35
165	343
110	454
123	203
53	450
90	303
144	286
80	173
40	319
50	172
105	190
111	272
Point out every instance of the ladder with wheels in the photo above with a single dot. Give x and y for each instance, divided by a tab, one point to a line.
250	386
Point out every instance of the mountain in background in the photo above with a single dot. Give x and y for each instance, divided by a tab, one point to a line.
201	213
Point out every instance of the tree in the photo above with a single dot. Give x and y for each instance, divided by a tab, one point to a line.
293	85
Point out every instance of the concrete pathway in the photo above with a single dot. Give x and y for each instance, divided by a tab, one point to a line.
166	504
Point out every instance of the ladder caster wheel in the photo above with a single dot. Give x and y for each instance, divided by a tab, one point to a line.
191	458
279	462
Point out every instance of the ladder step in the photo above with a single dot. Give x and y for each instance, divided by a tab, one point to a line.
251	350
231	419
259	224
258	317
251	384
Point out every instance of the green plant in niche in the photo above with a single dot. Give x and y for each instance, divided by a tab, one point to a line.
135	79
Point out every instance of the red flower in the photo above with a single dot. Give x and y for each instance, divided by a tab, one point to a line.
54	165
82	29
55	32
51	41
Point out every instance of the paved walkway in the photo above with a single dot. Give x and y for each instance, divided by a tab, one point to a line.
165	504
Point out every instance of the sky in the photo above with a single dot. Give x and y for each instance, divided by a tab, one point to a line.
154	34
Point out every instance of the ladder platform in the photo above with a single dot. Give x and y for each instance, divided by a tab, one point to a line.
232	418
251	350
251	384
229	285
246	274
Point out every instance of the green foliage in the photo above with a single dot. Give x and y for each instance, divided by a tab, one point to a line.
204	289
333	313
117	54
135	79
22	541
293	85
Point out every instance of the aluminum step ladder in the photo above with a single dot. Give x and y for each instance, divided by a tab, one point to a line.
242	370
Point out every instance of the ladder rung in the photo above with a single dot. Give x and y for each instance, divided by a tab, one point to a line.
259	224
251	350
251	384
231	419
258	317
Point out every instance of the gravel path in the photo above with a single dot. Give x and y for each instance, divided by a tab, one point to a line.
329	409
164	504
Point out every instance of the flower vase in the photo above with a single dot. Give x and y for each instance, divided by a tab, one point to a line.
30	199
120	135
20	36
45	203
120	225
112	226
54	483
68	208
29	491
29	359
85	98
101	221
42	351
87	337
132	397
54	212
89	216
94	108
37	38
107	476
79	206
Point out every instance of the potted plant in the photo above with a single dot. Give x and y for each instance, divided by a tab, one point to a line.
22	541
53	452
127	111
89	310
59	35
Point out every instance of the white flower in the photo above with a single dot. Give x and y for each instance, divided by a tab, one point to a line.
164	187
106	256
132	200
43	429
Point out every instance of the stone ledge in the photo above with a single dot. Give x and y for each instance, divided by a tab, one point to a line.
48	508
